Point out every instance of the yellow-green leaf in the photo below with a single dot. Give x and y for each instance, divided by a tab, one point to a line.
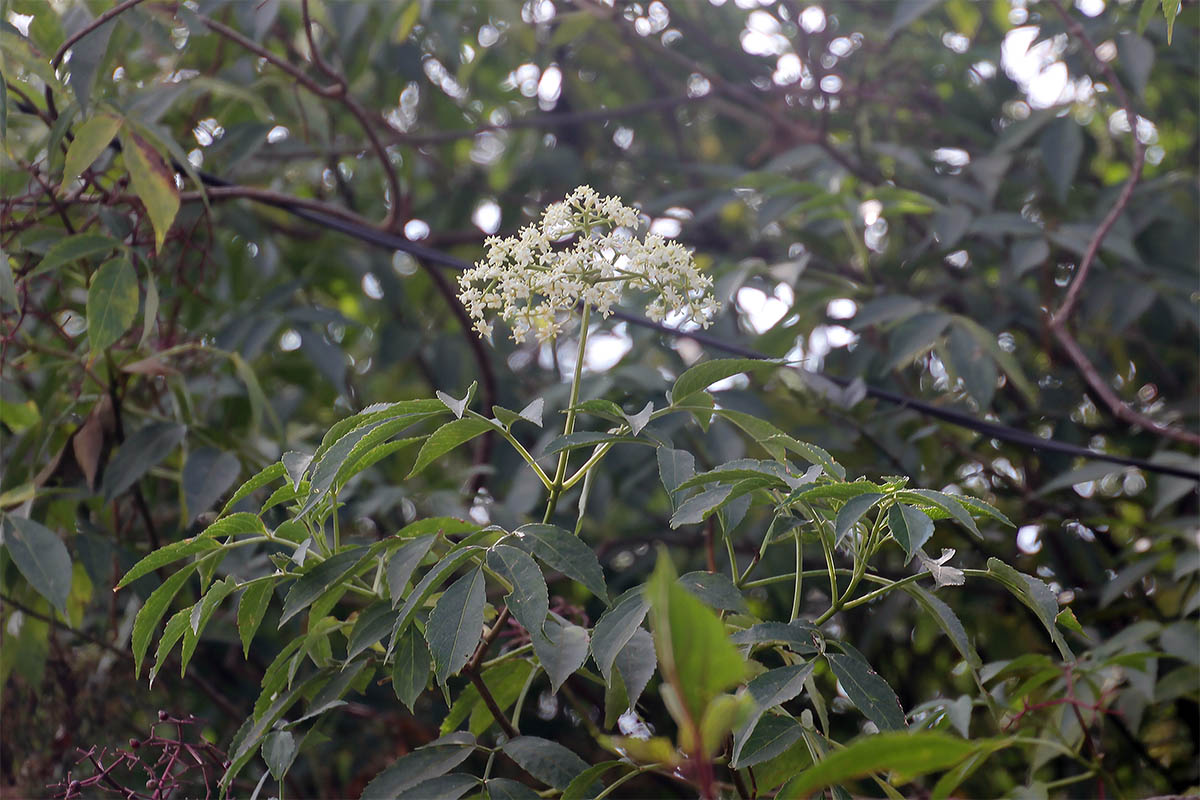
91	138
153	182
112	302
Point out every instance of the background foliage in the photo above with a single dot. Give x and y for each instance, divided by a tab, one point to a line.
940	199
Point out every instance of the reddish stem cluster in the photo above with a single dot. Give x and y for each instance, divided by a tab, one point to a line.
168	764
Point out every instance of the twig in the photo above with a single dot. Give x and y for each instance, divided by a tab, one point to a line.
221	700
262	52
1059	318
75	37
91	26
471	670
360	114
486	642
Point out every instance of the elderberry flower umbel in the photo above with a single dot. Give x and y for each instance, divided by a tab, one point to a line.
584	250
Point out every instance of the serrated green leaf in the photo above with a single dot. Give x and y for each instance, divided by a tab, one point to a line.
404	561
851	512
167	555
911	527
319	580
695	655
910	754
74	248
948	503
1036	595
112	302
252	606
373	623
616	627
767	736
411	668
456	625
153	182
561	649
446	438
172	632
549	762
152	611
870	693
278	751
768	690
948	621
91	139
145	449
715	590
675	467
425	763
700	506
426	586
42	558
203	611
268	474
563	551
706	373
529	599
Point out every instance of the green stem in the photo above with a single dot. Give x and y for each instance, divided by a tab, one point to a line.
516	445
799	576
626	777
556	486
597	454
733	568
821	572
1083	776
508	656
337	533
869	596
584	493
516	712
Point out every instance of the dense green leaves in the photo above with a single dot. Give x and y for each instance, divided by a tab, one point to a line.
892	259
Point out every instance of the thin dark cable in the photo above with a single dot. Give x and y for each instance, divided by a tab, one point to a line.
392	241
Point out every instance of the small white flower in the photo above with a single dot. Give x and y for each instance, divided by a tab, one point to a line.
943	575
534	280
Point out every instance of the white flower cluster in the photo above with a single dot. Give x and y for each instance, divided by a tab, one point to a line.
535	279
